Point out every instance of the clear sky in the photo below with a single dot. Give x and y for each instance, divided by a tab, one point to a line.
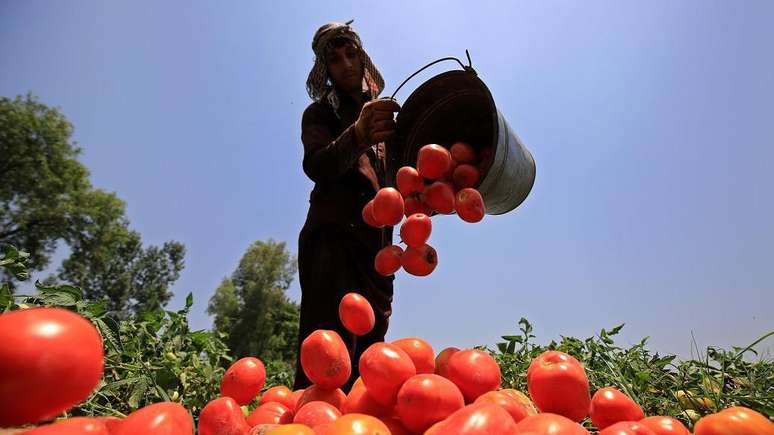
652	125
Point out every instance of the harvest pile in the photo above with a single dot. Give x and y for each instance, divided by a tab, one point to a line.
442	183
404	388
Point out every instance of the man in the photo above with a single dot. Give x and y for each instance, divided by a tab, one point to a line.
343	132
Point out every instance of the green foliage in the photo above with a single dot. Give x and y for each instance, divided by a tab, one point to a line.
251	307
114	266
149	358
42	184
46	198
155	357
727	378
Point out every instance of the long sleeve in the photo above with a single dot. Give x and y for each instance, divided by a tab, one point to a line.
326	158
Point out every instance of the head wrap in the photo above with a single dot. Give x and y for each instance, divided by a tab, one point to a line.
318	84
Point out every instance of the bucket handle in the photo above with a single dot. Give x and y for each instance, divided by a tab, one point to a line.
468	68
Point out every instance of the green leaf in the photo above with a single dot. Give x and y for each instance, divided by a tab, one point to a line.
115	386
616	329
59	299
189	300
10	254
75	292
5	296
164	396
111	332
140	387
96	309
511	347
200	338
166	379
173	316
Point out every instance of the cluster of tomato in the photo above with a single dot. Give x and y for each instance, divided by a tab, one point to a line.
403	388
443	182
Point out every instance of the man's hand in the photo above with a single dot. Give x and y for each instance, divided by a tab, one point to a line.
376	121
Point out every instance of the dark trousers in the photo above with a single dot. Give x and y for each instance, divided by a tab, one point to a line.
334	261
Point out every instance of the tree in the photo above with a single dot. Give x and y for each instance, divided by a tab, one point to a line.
112	265
43	187
252	308
224	305
46	198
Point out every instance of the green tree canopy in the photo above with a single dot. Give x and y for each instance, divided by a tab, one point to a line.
46	198
252	308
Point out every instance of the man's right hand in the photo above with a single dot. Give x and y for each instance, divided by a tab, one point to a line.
376	122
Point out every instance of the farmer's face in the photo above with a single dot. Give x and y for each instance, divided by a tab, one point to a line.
345	68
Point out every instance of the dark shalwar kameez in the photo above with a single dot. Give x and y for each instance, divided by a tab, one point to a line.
336	249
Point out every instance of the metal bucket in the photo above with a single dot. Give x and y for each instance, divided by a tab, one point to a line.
457	106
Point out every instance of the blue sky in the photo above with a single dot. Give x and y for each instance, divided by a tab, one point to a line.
650	122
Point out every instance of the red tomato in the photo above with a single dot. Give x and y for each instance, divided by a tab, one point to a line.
263	429
415	204
420	352
317	412
222	416
462	152
470	205
419	261
665	426
357	424
432	161
291	429
356	313
558	384
517	410
360	402
325	359
442	360
395	426
71	426
388	206
736	420
440	197
475	419
296	396
550	424
335	397
243	380
384	368
435	429
50	360
449	171
466	176
270	413
609	406
626	428
424	400
368	215
416	229
111	423
474	372
164	418
409	181
388	260
280	394
522	398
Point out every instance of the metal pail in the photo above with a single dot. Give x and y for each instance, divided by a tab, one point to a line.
457	106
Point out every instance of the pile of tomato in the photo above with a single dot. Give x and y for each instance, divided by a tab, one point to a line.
56	361
442	183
